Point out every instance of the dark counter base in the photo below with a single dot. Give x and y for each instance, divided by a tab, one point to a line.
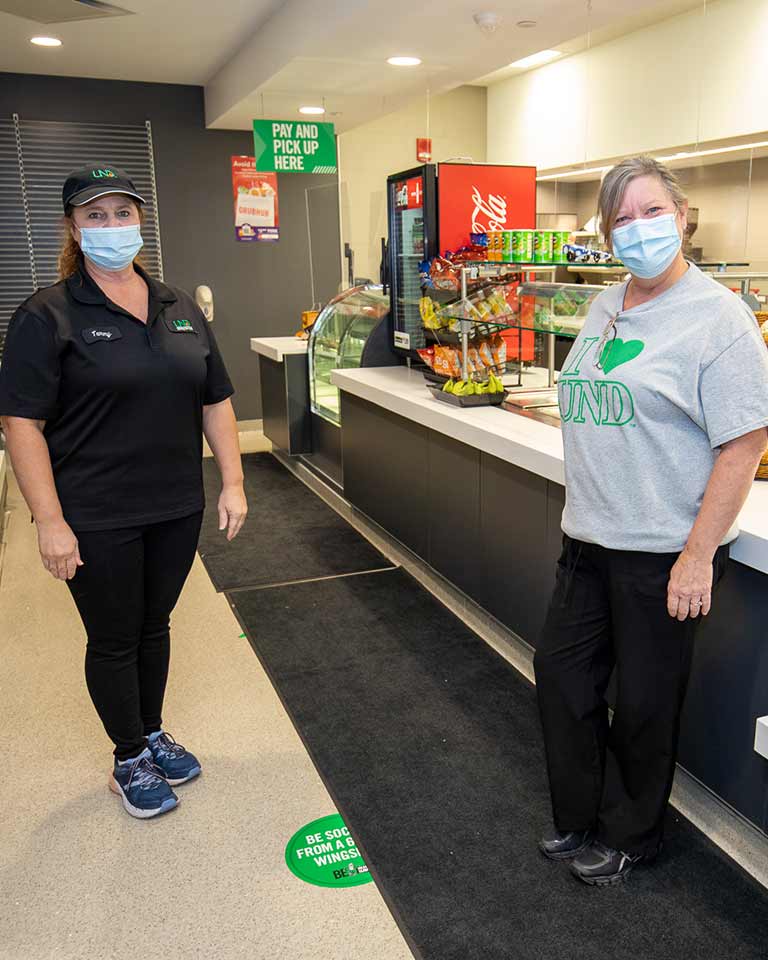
493	530
285	402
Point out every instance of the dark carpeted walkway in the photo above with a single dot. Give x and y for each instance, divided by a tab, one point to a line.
429	743
290	533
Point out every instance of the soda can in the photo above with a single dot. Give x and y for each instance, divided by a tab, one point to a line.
542	246
559	240
506	246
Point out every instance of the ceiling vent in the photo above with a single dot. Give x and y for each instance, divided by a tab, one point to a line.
62	11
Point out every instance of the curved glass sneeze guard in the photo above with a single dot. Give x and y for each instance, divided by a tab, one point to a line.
337	341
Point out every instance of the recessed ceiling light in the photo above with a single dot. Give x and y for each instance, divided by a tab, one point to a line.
536	59
404	61
526	24
312	111
46	41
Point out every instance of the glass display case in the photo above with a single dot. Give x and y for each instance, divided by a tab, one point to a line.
349	333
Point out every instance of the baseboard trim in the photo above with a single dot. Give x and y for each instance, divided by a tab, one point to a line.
740	839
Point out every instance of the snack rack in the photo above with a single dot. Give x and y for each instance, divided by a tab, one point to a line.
472	270
551	309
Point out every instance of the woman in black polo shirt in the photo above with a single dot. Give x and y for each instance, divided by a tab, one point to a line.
108	382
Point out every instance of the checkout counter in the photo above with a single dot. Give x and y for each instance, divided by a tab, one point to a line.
478	492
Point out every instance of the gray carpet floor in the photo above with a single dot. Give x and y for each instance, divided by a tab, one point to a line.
429	743
289	533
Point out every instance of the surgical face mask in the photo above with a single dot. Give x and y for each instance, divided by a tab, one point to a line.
647	247
111	248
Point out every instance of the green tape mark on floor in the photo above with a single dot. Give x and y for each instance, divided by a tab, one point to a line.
323	853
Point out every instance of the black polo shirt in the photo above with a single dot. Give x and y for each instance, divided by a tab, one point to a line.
122	400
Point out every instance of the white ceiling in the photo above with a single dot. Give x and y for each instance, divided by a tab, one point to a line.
268	57
165	41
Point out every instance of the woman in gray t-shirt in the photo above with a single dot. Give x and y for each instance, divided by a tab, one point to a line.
664	404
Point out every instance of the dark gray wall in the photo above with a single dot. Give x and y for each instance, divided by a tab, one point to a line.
259	289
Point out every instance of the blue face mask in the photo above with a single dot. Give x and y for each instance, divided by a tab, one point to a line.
647	247
111	248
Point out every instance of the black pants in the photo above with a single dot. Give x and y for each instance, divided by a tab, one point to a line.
125	592
609	608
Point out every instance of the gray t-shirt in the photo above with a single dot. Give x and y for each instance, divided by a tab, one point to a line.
685	373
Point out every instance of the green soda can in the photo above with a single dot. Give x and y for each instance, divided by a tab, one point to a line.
542	246
559	240
506	246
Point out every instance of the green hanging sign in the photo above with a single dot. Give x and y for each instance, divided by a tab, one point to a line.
324	854
294	146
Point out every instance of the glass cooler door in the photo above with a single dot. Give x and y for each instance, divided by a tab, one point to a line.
412	213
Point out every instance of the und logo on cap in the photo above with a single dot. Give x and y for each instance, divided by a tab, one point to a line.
103	173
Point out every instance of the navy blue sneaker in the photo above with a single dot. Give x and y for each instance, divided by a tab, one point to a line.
177	764
142	787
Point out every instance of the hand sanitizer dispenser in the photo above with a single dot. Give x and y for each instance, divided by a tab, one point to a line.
204	300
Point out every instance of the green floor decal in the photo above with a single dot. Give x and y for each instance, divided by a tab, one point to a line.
323	853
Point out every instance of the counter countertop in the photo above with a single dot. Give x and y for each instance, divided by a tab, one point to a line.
519	440
276	348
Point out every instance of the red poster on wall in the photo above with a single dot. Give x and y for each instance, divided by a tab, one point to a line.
255	195
476	198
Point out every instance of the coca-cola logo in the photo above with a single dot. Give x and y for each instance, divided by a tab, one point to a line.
494	209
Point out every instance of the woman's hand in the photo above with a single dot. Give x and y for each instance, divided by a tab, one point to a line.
689	592
233	509
58	548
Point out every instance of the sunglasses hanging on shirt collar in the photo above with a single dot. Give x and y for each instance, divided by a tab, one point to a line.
606	341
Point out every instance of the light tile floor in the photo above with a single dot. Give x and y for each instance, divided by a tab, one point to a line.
79	878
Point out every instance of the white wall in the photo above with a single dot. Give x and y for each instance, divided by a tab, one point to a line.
369	153
691	78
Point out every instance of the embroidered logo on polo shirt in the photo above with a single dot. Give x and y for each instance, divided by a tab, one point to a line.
180	326
101	334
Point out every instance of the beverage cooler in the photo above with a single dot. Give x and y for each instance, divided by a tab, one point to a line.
432	209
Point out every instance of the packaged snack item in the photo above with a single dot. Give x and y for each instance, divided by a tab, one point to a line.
560	240
542	246
485	353
454	359
522	246
428	356
498	352
443	274
497	302
474	361
494	245
483	309
479	243
442	364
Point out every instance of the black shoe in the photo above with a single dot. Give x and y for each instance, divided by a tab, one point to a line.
601	866
565	846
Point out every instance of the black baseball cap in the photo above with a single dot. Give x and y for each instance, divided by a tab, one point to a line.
98	180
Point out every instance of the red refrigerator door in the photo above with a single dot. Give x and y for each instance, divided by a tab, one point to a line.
476	198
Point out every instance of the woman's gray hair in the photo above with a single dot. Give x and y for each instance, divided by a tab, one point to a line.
618	179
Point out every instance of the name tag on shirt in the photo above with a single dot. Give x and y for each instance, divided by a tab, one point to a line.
179	326
101	334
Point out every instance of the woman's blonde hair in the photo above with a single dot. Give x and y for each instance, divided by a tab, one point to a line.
70	255
617	180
